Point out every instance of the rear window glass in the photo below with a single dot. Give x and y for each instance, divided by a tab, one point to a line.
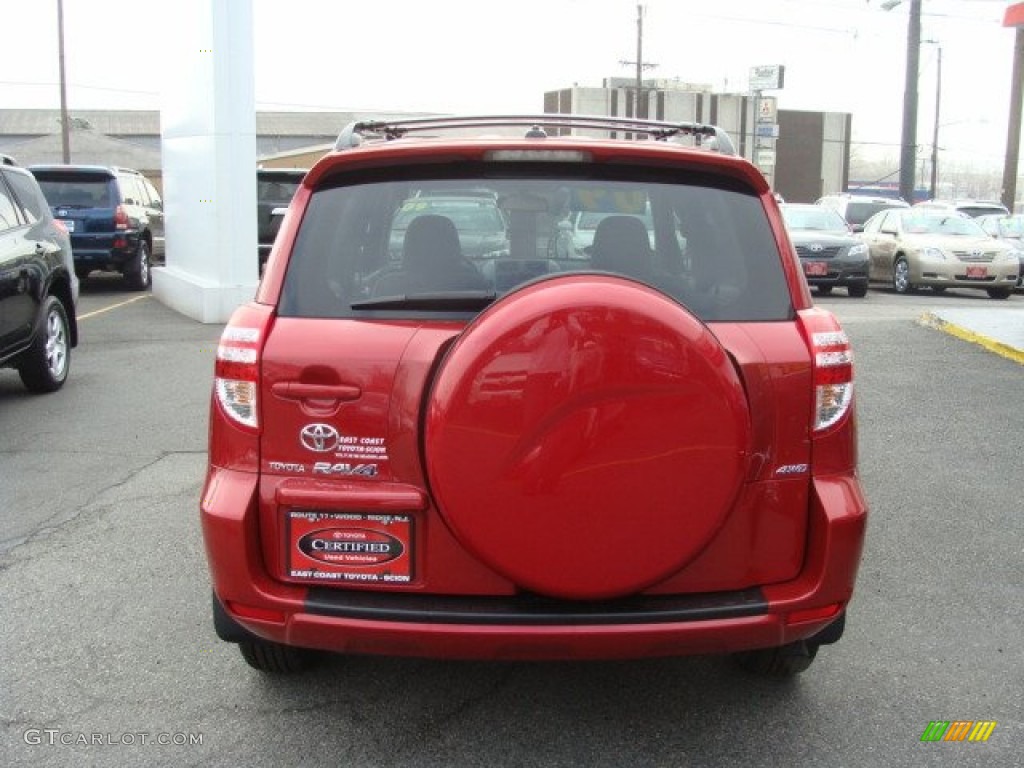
78	191
858	213
276	190
366	244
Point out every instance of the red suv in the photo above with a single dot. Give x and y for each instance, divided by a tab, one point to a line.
528	453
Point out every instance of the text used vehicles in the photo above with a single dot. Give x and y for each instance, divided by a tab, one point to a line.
920	247
532	454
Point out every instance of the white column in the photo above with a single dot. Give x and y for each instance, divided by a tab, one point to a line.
208	140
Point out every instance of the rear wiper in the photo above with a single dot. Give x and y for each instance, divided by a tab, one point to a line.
440	301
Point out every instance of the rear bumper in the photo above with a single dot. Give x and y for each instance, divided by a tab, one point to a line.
410	624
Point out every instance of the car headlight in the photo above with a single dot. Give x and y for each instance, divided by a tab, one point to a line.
933	253
858	251
1013	255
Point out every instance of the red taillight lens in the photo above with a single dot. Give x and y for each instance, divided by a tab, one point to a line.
120	218
833	368
236	373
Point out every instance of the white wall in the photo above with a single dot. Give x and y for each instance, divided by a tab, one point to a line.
208	139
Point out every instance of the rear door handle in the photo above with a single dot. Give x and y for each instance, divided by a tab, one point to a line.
296	390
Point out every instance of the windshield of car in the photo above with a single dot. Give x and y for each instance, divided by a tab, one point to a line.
397	246
942	224
813	218
77	191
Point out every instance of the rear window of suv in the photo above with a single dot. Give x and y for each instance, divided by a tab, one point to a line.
360	251
78	190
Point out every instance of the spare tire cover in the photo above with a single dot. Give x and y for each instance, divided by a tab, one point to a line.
586	436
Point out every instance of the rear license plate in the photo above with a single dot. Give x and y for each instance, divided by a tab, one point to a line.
349	547
815	268
69	225
977	272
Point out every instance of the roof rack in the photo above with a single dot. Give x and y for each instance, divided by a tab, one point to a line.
354	133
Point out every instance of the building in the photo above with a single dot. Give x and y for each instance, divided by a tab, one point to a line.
804	155
810	157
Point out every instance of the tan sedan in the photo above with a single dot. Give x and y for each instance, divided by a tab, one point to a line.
913	247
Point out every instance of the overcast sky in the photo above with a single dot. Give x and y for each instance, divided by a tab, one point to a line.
473	56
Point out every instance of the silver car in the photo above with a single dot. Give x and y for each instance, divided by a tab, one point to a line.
917	247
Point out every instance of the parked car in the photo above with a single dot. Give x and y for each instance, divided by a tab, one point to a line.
479	222
275	188
38	286
917	247
830	254
857	209
972	208
115	217
640	453
1010	230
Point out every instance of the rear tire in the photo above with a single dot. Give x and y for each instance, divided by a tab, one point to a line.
274	658
857	290
999	293
44	368
139	275
782	662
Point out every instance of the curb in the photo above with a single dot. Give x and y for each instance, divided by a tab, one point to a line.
931	320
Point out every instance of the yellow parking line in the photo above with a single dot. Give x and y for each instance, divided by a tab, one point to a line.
1005	350
112	306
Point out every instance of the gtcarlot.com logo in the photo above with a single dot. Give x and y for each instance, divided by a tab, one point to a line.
958	730
53	737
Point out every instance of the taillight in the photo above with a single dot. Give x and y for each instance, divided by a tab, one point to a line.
236	372
833	368
120	218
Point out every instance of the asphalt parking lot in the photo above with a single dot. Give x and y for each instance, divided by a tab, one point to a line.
108	648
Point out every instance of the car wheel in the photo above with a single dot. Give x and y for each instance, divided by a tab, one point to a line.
824	290
45	365
82	272
273	657
999	293
938	289
857	290
901	276
139	275
781	662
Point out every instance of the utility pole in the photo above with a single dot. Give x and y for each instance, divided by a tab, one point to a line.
1014	18
934	186
65	123
641	65
908	143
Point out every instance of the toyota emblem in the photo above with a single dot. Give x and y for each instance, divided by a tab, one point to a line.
320	438
816	247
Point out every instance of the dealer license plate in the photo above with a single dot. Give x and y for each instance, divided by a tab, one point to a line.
815	268
977	272
349	547
69	225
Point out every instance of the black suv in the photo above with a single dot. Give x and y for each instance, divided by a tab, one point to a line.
274	190
115	217
38	286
